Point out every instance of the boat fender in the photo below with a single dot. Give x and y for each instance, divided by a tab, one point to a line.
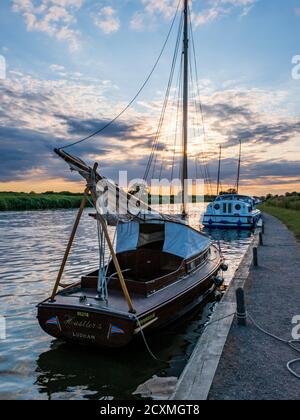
224	267
219	281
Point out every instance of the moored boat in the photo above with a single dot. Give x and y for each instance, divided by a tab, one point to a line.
232	211
159	269
168	269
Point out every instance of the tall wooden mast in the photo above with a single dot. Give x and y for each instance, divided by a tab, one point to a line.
219	171
184	175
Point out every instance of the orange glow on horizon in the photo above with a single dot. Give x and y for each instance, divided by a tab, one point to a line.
58	185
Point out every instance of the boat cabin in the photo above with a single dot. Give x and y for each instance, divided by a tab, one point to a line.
153	255
236	197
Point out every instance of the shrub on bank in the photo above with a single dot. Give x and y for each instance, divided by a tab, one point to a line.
291	202
32	201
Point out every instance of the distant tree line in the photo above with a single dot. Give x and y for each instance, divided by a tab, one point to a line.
12	201
287	201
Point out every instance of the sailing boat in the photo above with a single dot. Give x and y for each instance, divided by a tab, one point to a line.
159	269
232	211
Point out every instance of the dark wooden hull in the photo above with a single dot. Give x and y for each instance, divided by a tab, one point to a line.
93	323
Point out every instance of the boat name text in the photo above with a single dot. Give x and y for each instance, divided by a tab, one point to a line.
84	336
71	322
83	314
145	320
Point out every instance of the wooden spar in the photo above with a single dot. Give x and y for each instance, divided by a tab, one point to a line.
87	191
185	105
70	243
117	265
84	170
112	251
219	171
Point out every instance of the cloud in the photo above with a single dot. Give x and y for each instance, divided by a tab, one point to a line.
203	12
53	17
220	8
56	68
151	10
137	22
163	7
107	20
37	115
235	115
261	174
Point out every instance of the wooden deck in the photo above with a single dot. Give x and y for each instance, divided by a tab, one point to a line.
77	315
117	304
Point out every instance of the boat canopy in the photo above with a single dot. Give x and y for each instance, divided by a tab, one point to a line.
235	197
178	239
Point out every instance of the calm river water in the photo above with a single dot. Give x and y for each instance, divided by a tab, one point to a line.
33	365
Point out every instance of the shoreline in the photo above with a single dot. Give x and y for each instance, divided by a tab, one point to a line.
289	217
18	202
253	365
227	351
196	380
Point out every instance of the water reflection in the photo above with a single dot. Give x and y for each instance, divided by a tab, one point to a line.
228	235
67	372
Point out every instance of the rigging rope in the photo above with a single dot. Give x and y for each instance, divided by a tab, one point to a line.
175	107
152	161
67	146
155	145
206	168
196	124
177	117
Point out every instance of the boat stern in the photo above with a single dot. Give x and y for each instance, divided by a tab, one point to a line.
85	326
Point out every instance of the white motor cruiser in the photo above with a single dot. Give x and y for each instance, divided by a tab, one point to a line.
232	211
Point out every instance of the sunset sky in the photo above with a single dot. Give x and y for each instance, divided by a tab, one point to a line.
72	65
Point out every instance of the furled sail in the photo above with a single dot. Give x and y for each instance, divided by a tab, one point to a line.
113	203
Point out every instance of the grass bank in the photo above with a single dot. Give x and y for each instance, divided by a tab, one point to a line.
291	202
10	201
291	218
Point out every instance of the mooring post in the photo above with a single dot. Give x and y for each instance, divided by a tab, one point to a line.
255	257
261	239
241	308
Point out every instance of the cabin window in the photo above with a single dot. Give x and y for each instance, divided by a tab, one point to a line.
229	208
224	208
217	207
151	236
193	265
238	207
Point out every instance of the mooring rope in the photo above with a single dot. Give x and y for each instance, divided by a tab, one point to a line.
146	342
290	343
